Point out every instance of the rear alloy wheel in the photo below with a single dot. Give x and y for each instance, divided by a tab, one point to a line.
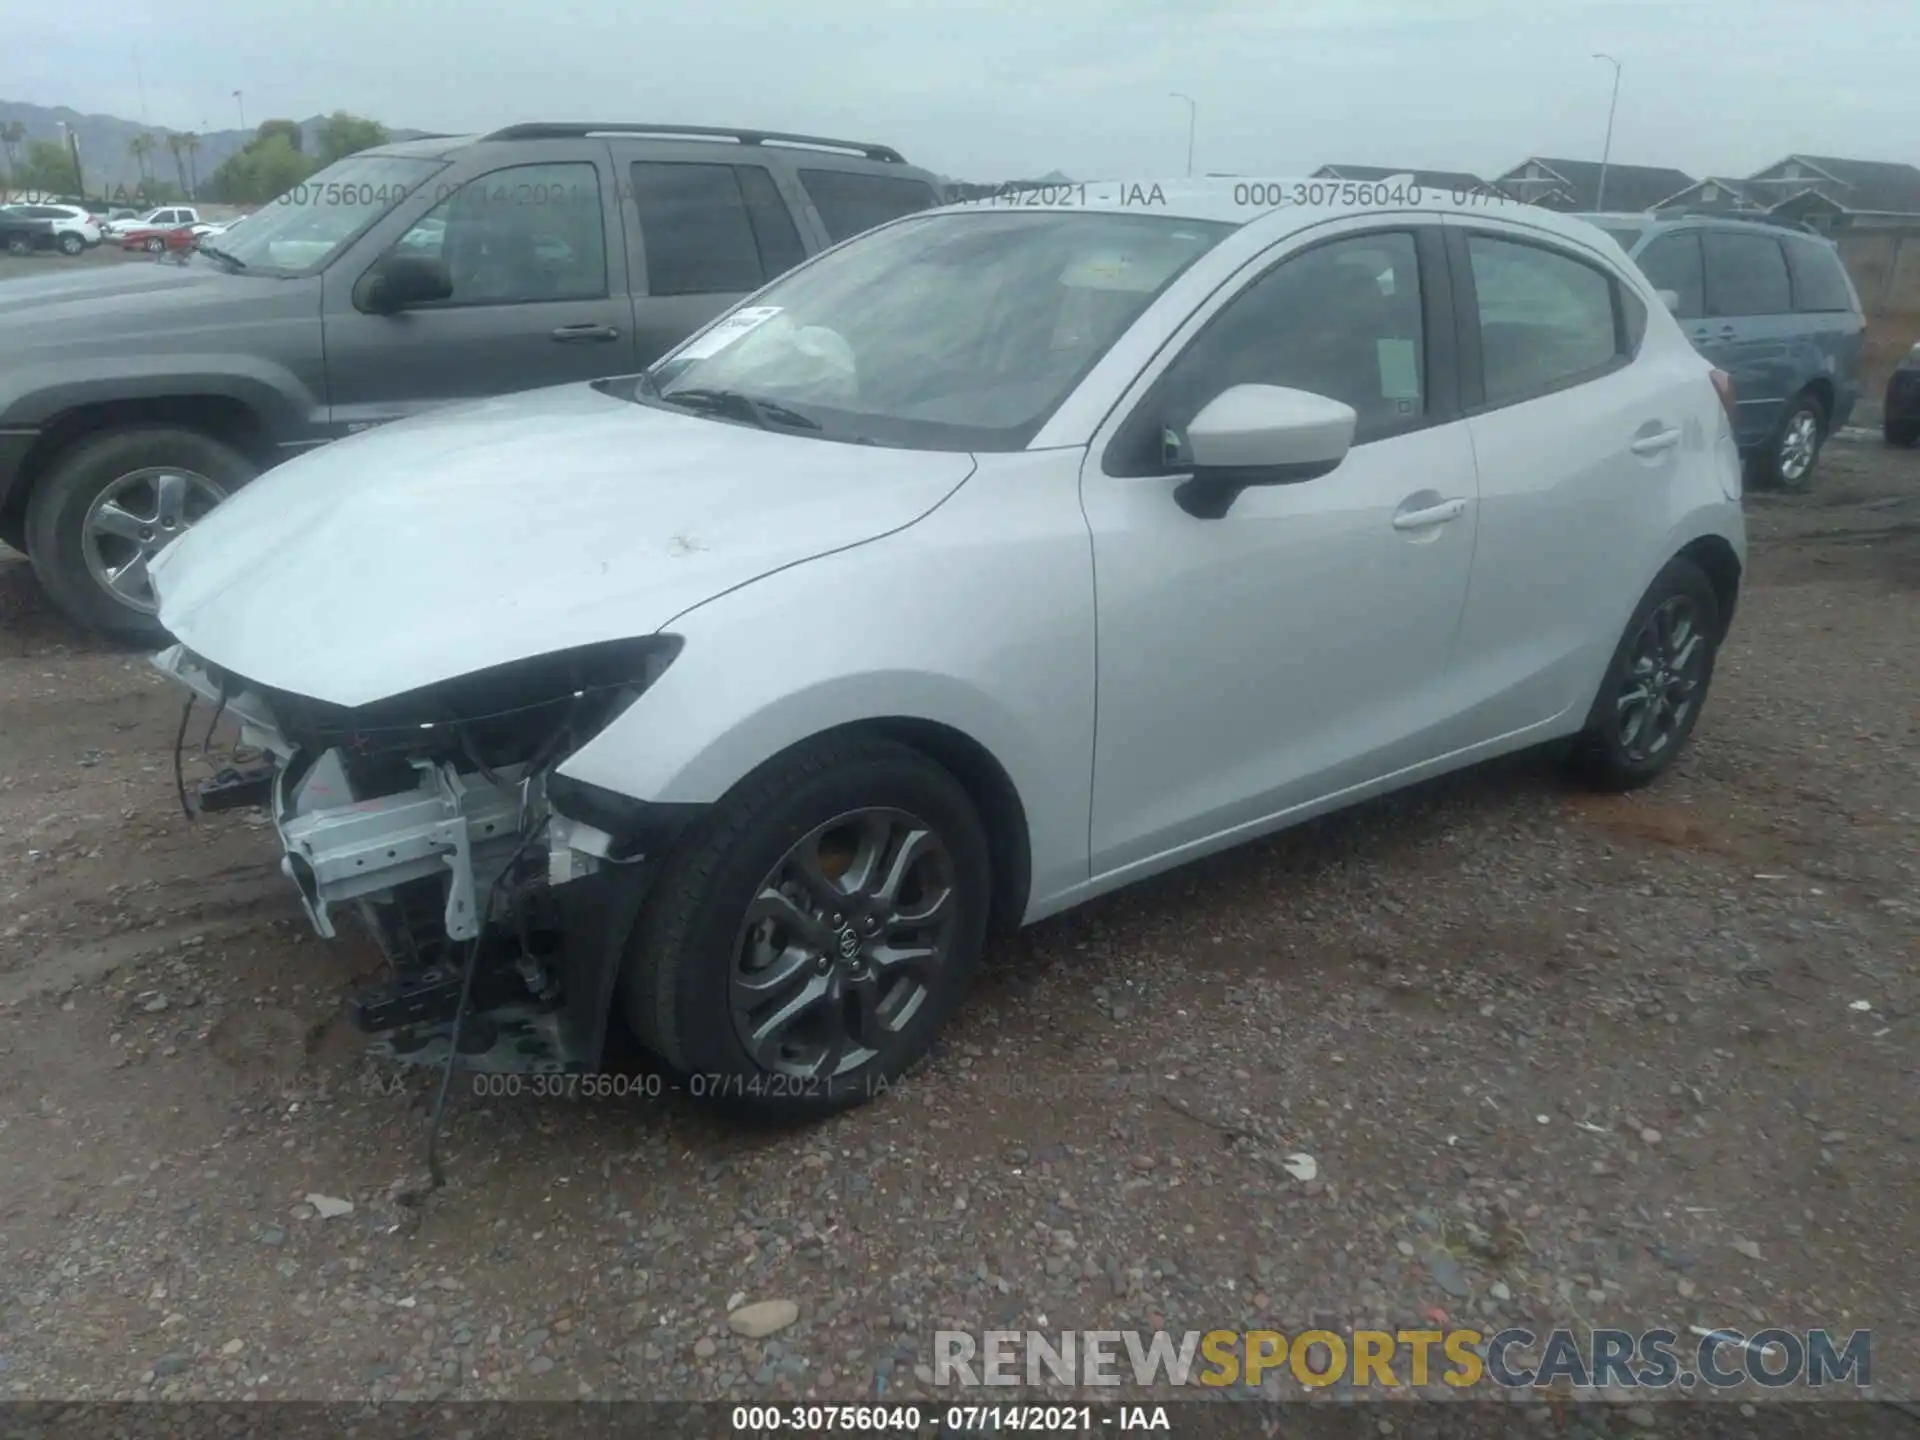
805	943
19	245
109	506
1790	460
72	244
1657	683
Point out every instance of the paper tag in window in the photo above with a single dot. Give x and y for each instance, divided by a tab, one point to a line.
727	331
1399	369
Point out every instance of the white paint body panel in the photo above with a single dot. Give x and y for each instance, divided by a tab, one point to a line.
1155	686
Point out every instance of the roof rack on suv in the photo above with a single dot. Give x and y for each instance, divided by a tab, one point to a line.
546	130
1757	217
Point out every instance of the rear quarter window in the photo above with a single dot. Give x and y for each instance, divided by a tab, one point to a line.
1819	281
850	201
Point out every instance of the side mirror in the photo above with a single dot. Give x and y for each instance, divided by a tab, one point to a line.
398	280
1670	299
1261	435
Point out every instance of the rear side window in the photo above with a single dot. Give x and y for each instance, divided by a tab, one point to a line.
1746	274
1547	320
712	229
1818	281
1672	262
850	202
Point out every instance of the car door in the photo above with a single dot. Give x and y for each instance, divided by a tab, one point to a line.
1299	645
538	268
1578	443
1749	326
702	234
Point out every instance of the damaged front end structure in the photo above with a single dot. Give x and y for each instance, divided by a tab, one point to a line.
501	906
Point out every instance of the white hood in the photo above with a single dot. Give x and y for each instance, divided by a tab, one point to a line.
514	527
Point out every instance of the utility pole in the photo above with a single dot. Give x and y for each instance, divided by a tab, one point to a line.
140	80
243	109
1193	116
1606	150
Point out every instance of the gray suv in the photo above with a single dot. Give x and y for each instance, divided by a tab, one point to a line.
134	398
1770	304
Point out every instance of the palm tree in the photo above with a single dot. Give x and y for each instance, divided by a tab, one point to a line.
177	144
141	147
190	143
12	135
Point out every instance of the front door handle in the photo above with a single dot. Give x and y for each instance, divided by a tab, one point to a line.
1653	444
1429	515
586	332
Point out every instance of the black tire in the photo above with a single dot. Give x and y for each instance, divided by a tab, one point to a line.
72	244
1776	468
155	245
57	512
1602	754
1900	433
678	978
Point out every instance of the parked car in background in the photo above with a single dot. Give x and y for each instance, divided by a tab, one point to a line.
398	280
1772	305
1900	421
155	239
1372	492
74	229
162	217
22	233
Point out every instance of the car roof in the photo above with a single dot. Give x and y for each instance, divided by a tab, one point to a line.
1242	200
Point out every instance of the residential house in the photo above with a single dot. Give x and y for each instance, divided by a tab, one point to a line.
1574	185
1717	194
1835	194
1450	181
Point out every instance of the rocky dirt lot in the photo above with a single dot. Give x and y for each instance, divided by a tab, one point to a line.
1557	1060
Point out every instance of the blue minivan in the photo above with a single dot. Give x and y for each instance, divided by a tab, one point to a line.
1769	303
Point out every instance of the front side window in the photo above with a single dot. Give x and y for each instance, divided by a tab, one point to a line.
1342	320
951	331
1546	319
712	229
850	202
521	235
308	225
1672	262
1746	274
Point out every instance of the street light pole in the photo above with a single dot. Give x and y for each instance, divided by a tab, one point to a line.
243	109
1606	150
1193	116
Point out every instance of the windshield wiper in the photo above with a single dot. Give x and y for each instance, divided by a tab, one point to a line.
764	413
218	254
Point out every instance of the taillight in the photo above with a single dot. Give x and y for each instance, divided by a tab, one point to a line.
1723	386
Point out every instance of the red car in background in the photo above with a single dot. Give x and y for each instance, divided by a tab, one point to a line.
156	238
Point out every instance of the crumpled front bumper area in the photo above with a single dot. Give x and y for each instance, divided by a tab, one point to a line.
444	866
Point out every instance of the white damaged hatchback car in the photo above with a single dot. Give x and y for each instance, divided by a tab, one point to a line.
992	560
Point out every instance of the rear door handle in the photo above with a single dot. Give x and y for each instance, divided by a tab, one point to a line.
1429	515
586	332
1653	444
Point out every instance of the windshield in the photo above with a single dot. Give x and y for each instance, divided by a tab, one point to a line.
944	332
304	228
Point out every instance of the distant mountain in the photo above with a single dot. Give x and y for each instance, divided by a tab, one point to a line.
104	140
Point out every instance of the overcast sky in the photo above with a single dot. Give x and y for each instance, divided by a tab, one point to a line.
983	89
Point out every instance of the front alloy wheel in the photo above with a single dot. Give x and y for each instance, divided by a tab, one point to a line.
72	244
133	520
843	943
806	938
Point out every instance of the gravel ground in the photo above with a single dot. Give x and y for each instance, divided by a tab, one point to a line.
1559	1060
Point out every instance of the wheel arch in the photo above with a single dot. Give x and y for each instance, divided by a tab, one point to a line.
227	418
1714	555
